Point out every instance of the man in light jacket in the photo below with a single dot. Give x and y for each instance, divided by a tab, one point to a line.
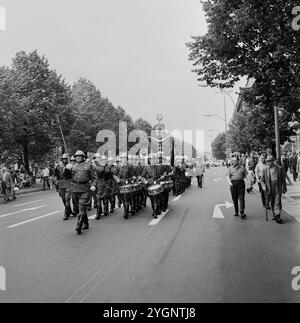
199	170
274	180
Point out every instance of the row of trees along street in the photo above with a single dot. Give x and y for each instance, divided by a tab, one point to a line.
252	39
32	96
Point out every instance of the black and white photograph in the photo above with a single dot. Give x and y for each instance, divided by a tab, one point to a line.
149	154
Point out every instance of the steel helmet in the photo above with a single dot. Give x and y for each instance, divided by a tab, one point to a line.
79	153
72	158
65	156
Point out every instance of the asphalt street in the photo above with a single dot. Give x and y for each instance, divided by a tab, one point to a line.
185	256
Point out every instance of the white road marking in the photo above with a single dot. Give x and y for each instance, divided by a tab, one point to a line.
160	217
27	203
34	219
217	210
21	211
176	198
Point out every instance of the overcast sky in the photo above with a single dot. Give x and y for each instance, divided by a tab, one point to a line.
133	50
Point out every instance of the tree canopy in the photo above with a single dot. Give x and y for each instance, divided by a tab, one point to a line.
252	39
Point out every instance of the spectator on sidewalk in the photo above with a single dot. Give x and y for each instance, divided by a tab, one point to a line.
8	184
45	177
259	169
14	180
293	166
274	180
285	162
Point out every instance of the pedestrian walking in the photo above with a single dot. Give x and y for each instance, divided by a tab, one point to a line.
259	169
236	179
199	170
274	180
293	166
7	184
45	177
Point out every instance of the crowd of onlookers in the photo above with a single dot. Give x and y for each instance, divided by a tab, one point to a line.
12	179
290	161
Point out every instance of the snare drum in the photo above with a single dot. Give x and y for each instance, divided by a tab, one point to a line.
155	190
167	185
125	189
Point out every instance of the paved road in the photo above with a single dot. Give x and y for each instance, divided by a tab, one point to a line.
188	256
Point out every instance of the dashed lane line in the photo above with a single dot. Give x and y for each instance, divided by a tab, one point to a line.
33	219
21	211
22	204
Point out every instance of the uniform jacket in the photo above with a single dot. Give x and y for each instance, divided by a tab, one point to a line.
281	179
64	176
83	177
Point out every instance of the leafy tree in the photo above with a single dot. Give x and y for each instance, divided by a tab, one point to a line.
254	39
219	147
35	94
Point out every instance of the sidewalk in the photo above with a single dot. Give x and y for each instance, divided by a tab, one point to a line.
291	200
36	188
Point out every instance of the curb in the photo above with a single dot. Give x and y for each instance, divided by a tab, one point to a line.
18	193
283	207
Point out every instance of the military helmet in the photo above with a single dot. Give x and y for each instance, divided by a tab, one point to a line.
72	158
79	153
65	156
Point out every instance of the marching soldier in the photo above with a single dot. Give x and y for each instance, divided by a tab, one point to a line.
154	177
117	180
83	180
93	195
125	179
176	179
113	170
142	192
63	177
103	190
167	169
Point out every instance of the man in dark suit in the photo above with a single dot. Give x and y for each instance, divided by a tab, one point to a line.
273	179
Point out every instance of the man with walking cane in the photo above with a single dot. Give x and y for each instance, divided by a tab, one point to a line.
274	181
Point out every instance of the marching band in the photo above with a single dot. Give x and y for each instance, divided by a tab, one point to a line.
128	179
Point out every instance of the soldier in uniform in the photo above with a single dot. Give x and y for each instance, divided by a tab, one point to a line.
154	178
63	177
141	194
167	170
93	194
125	179
113	170
135	172
102	180
117	180
176	179
83	180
